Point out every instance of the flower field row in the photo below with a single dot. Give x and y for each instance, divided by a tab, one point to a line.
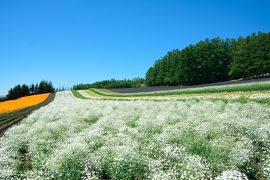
12	105
252	95
246	87
74	138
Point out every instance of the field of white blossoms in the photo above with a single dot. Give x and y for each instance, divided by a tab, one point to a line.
74	138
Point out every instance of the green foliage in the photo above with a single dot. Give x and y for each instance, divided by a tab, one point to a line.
129	165
18	91
205	62
126	83
62	89
78	95
25	90
213	60
258	86
251	56
70	168
45	87
3	99
165	70
92	119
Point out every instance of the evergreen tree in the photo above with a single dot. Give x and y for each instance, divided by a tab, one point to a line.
251	56
24	90
32	89
213	60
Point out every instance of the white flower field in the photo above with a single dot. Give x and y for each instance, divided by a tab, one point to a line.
74	138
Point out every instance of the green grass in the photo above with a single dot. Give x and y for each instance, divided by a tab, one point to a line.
249	87
78	95
242	99
263	101
258	86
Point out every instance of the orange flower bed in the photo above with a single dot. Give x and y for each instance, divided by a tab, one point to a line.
23	102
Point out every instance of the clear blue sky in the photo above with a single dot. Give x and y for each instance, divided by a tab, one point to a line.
82	41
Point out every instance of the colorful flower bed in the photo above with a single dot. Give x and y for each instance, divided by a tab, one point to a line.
12	105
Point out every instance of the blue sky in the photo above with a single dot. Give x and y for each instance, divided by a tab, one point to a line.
82	41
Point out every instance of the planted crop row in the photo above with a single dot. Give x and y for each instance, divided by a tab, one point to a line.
258	86
21	103
9	119
13	114
261	97
73	138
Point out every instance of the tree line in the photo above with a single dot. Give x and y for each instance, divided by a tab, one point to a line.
21	90
113	83
213	60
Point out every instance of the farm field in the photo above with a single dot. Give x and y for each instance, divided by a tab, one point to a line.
247	87
166	88
135	90
73	138
259	96
23	102
259	92
13	117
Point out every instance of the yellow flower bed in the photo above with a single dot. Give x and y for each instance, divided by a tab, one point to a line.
23	102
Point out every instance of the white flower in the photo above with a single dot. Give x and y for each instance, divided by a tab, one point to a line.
94	139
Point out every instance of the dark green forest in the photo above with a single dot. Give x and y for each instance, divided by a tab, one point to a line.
213	60
25	90
126	83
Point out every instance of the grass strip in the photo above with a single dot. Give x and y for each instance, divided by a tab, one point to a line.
242	99
257	86
78	95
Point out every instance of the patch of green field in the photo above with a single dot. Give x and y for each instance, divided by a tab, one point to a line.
242	98
78	95
257	86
